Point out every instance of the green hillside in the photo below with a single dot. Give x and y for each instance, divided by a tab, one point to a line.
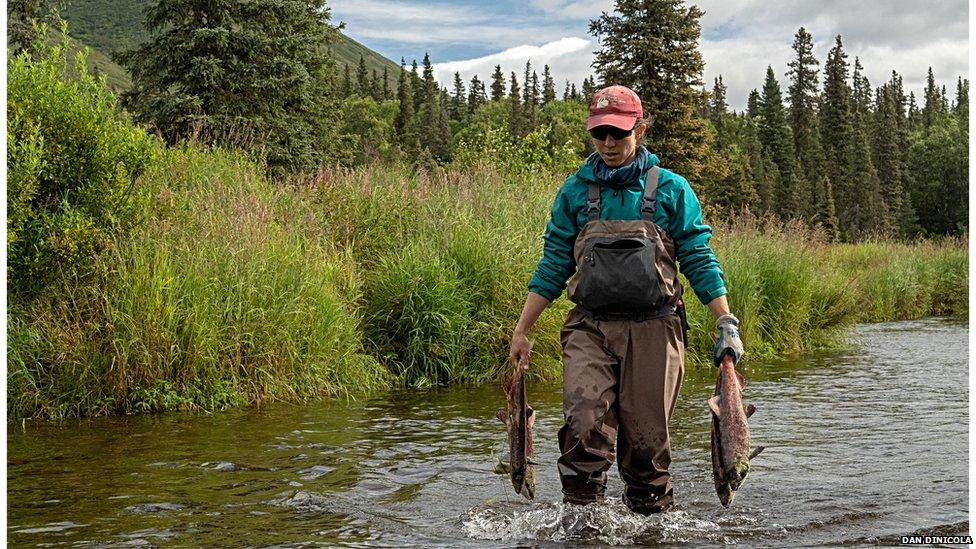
107	26
348	51
116	77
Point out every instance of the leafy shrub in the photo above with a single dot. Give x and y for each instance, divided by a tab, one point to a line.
73	158
553	146
370	124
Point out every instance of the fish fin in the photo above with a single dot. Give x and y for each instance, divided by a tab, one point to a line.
531	419
750	409
713	404
756	452
531	461
502	468
502	416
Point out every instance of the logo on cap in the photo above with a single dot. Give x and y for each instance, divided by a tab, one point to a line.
602	102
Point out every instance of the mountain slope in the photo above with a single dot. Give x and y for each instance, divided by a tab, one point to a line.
108	26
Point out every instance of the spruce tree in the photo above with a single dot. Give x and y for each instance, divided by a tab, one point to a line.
652	47
896	86
867	213
752	105
824	208
914	116
898	95
717	111
265	78
346	89
888	159
961	107
362	79
768	184
417	87
497	84
803	99
527	84
515	114
529	99
735	192
870	213
761	172
589	87
717	105
375	88
548	86
861	94
442	144
404	118
875	215
429	112
387	94
776	137
566	93
574	94
933	101
476	94
429	88
837	132
458	105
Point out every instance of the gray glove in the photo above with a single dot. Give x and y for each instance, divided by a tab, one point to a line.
728	342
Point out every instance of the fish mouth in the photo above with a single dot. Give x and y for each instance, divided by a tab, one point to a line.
524	484
737	473
726	496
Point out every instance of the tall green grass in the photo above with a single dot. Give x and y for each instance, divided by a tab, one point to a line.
219	298
236	289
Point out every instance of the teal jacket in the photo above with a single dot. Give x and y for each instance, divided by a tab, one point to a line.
678	212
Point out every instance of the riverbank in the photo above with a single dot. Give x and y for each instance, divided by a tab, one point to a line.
238	290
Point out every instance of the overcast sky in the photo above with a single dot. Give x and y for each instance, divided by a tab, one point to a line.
739	37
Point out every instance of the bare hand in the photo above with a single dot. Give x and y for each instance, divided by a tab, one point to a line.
520	351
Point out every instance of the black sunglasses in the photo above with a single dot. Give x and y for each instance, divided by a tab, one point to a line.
601	132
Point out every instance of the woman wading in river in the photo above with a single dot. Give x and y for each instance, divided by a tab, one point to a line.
618	227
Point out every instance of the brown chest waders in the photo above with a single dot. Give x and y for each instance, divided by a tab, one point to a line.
623	352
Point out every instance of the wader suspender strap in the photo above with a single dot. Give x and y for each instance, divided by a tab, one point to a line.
648	202
593	203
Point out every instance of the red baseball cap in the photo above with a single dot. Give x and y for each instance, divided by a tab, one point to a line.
616	106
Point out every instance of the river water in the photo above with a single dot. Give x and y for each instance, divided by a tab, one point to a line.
862	446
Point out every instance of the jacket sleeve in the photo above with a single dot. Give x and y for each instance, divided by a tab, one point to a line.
557	263
695	257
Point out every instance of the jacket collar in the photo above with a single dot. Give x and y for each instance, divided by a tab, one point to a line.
594	170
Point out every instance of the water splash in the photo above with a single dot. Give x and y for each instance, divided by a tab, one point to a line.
608	522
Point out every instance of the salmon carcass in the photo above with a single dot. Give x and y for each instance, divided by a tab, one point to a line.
519	419
730	432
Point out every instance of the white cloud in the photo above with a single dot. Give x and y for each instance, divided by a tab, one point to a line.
568	58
